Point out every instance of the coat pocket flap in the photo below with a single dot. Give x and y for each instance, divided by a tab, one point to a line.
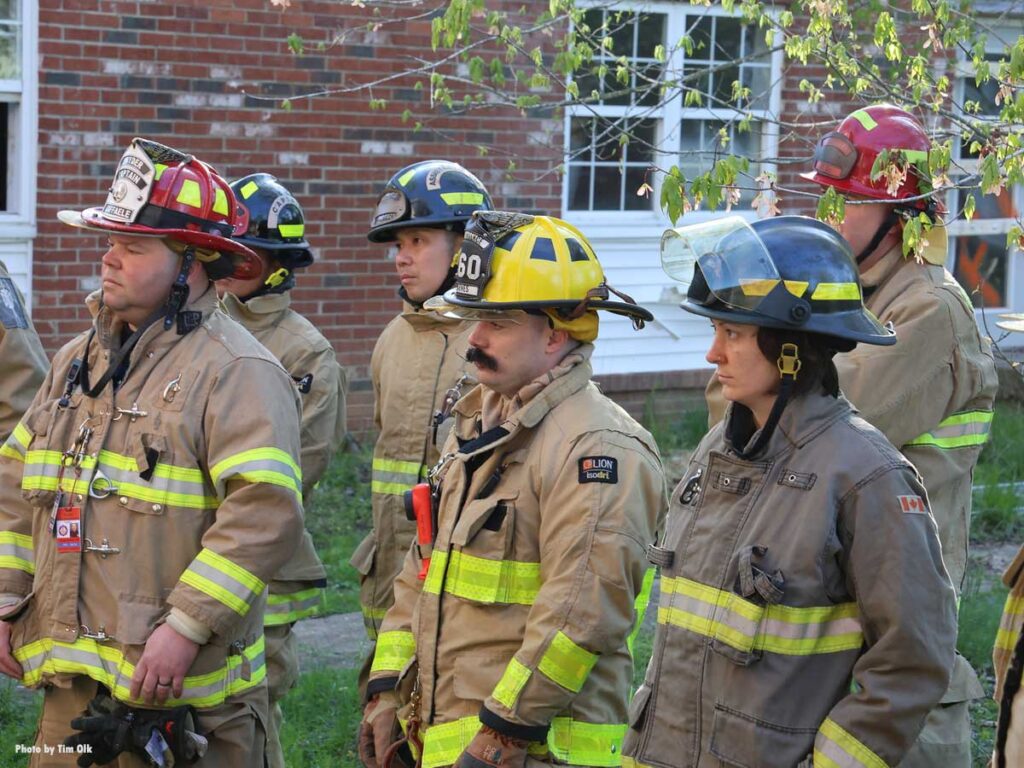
363	557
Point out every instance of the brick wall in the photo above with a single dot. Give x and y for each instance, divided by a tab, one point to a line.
189	74
210	78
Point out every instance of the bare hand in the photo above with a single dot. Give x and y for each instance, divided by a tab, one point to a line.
8	664
166	659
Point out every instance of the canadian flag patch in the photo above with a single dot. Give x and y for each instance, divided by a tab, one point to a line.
913	505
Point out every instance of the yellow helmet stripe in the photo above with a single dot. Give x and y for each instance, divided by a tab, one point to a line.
862	117
757	287
463	198
291	230
836	292
248	189
220	203
405	177
190	194
160	168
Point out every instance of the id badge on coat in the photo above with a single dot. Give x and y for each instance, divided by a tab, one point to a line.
68	529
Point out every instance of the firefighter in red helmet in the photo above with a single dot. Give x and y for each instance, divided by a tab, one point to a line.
145	502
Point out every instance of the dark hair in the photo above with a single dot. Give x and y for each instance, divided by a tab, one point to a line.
817	371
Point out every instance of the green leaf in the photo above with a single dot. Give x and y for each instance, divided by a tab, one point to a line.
969	207
295	44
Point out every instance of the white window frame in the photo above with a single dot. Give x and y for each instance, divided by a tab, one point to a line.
18	222
959	226
608	224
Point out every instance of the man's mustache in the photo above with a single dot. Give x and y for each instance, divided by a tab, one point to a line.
481	358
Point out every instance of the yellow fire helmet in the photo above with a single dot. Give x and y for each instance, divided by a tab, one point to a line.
516	263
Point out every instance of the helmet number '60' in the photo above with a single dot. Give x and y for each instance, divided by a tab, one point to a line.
469	266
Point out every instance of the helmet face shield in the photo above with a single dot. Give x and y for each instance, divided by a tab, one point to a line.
392	206
722	260
835	156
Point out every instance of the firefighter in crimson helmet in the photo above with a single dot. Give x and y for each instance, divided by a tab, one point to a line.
932	393
151	491
418	366
276	233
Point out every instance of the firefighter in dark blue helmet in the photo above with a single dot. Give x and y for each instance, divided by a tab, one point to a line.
418	366
262	304
806	617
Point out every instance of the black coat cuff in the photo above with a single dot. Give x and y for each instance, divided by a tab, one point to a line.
514	730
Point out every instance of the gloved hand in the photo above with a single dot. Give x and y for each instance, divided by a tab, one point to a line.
490	749
379	728
110	728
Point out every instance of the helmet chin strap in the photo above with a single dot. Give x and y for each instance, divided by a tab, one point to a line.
883	229
180	290
789	365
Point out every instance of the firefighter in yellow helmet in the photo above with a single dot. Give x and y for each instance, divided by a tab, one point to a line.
151	491
509	640
261	303
932	392
418	365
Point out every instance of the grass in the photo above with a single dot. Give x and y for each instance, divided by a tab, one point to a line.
338	518
322	712
997	503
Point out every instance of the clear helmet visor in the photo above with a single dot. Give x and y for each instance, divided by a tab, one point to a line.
723	259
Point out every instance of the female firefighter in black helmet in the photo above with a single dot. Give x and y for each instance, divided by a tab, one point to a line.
806	617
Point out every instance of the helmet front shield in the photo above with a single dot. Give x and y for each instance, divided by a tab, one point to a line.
721	260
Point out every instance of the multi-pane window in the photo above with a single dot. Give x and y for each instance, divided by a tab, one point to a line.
18	131
687	108
979	257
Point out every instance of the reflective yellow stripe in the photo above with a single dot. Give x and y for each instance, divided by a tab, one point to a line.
220	202
569	741
404	178
190	194
107	665
260	465
834	747
395	477
567	663
160	168
643	599
291	230
958	431
797	287
169	484
285	609
17	552
248	189
444	742
483	581
394	649
1009	624
836	292
747	626
463	198
865	119
757	287
223	580
590	744
17	443
511	684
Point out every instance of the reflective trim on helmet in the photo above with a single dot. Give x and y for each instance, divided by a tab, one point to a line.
189	194
159	171
463	198
836	292
863	117
220	202
249	189
291	230
407	176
